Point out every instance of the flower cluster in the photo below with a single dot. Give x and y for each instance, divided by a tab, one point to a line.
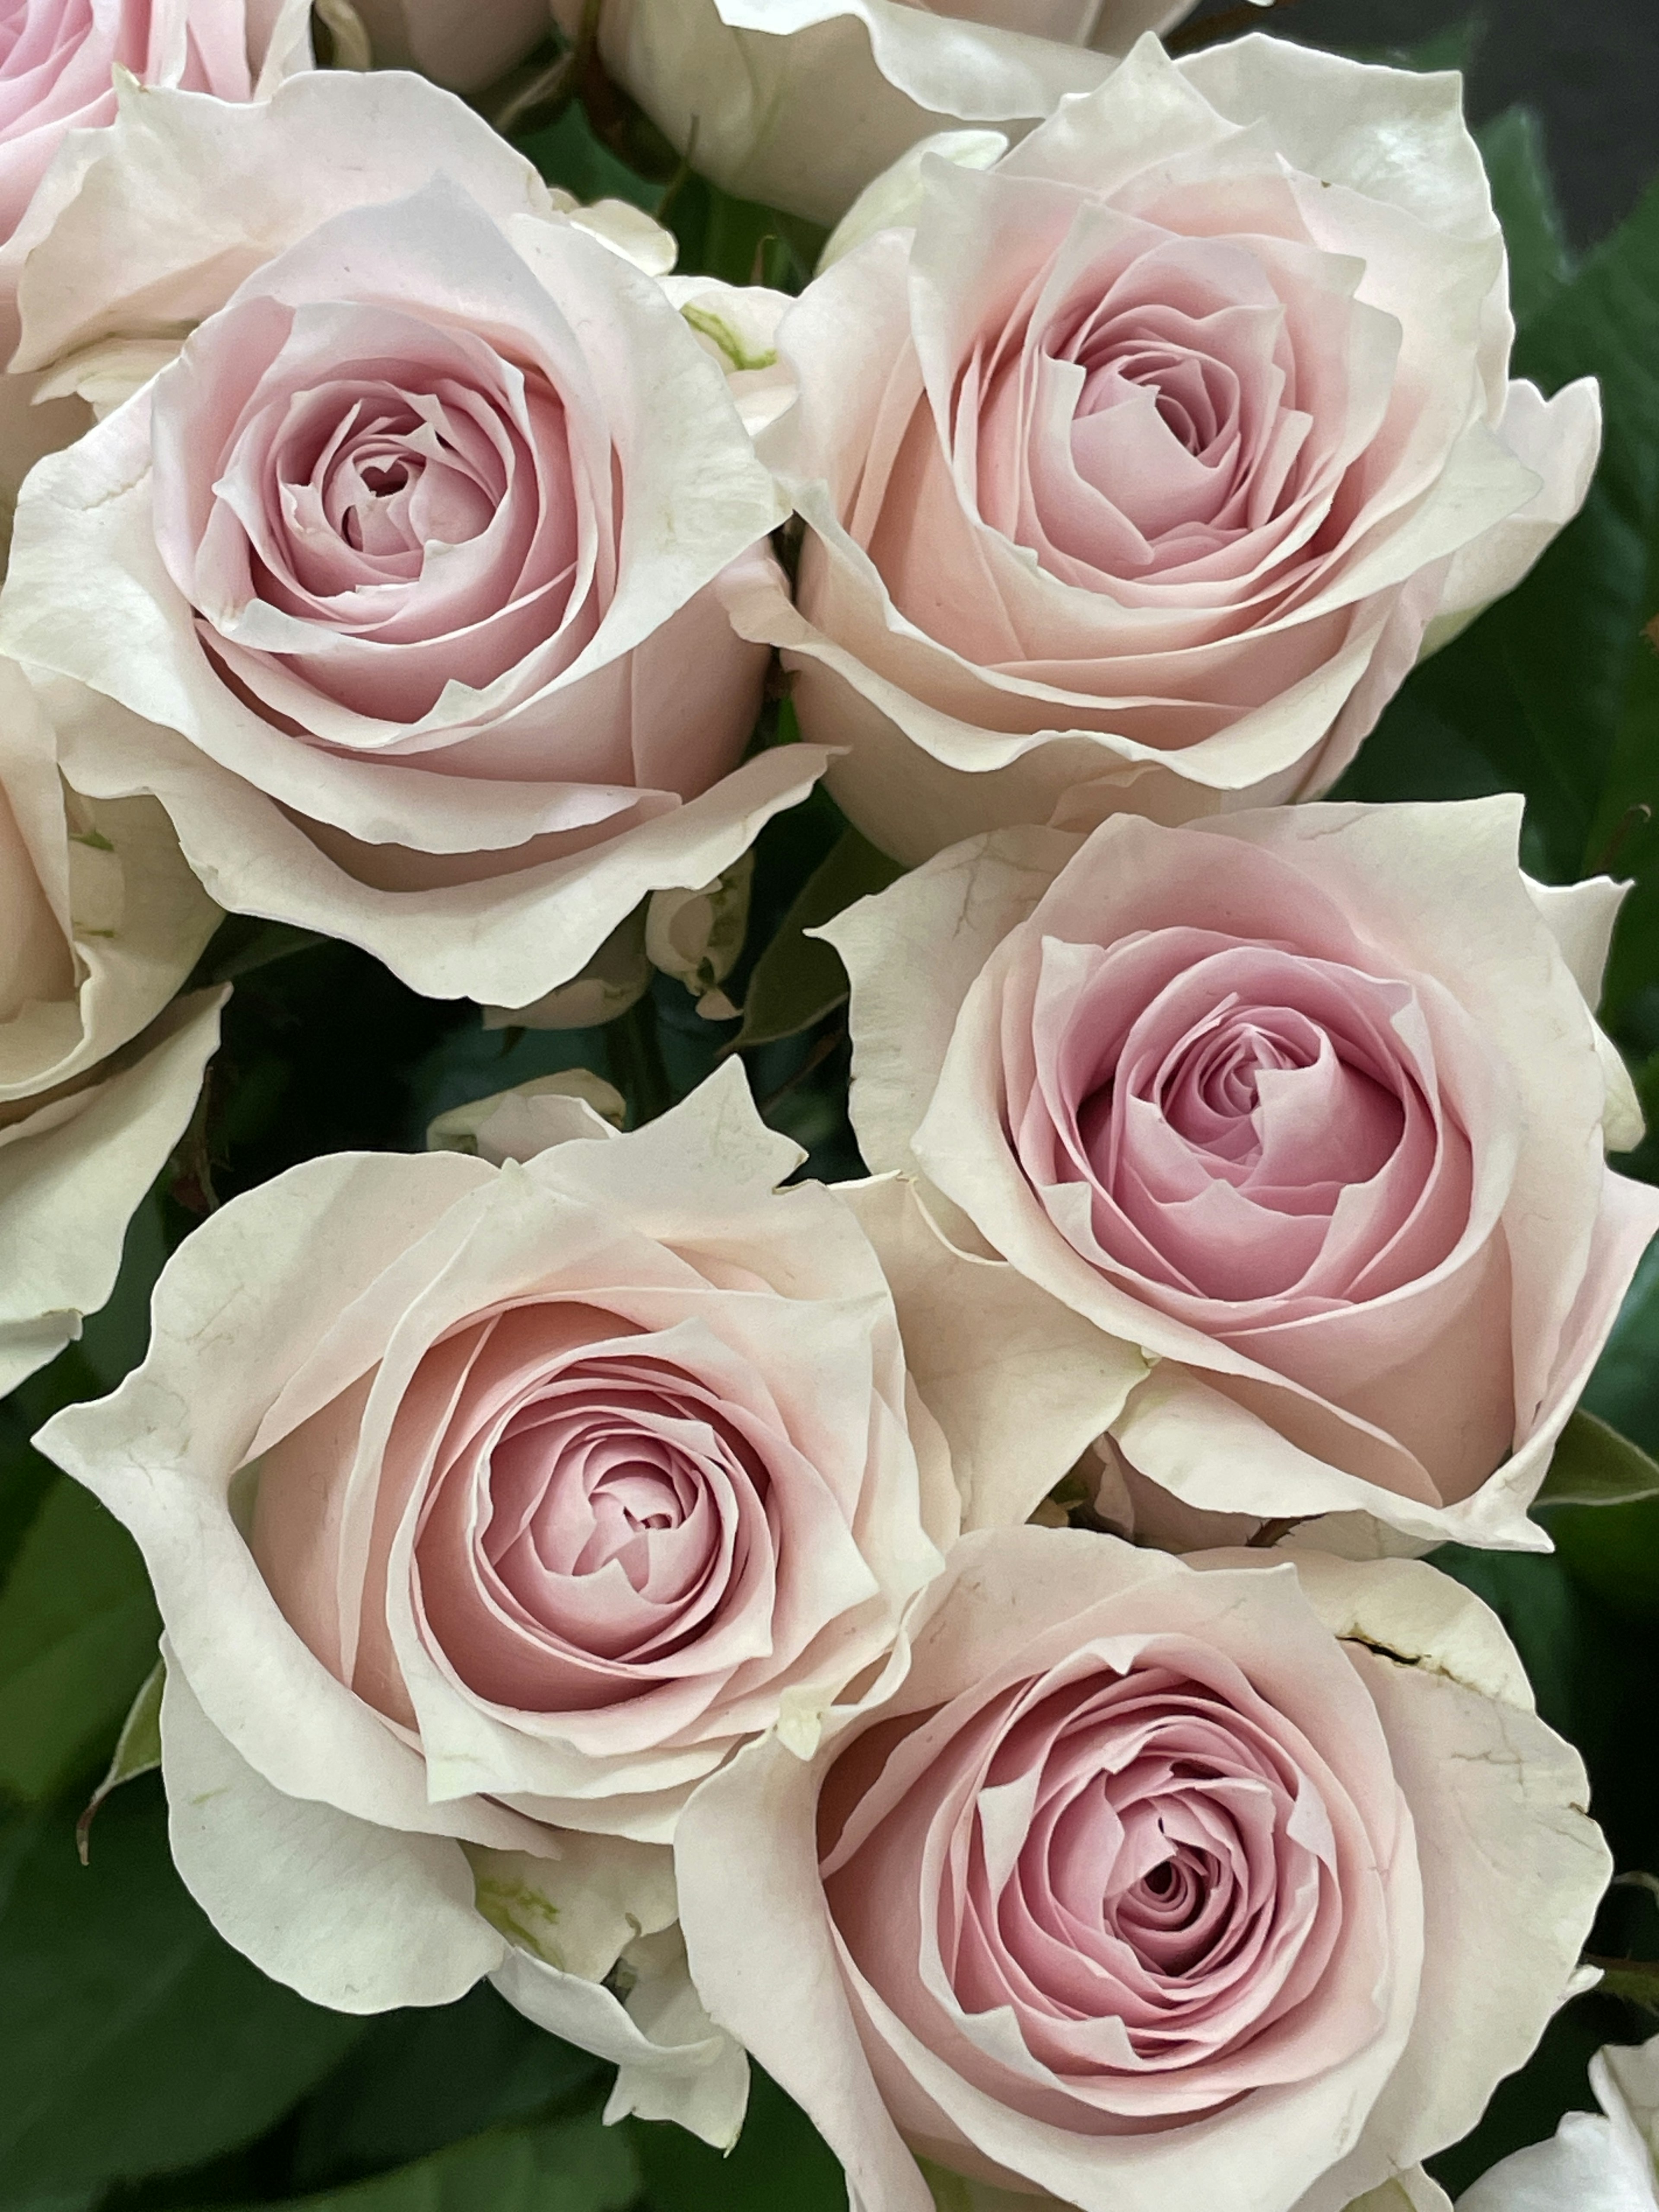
959	1634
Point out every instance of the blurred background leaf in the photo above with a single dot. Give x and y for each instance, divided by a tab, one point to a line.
132	2039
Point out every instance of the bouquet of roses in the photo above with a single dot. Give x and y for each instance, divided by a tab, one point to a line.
874	1322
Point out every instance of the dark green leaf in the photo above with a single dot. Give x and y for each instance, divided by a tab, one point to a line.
1453	48
1512	146
137	1751
1594	1465
1553	1627
797	979
563	2166
132	2040
1623	1390
420	2079
739	241
25	1478
243	943
568	153
1613	1550
114	1340
1607	322
78	1636
1636	1980
781	2164
1555	688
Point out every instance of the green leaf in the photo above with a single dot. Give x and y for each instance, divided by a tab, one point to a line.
1512	146
1623	1390
798	979
740	241
1594	1465
563	2166
781	2163
1553	1626
1636	1980
1607	322
1555	688
78	1636
425	2077
1453	48
132	2039
137	1751
25	1478
570	153
242	943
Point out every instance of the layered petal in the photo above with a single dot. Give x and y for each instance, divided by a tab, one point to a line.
1149	1880
1138	464
1305	1106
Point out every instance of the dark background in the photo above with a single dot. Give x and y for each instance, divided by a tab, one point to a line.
1589	67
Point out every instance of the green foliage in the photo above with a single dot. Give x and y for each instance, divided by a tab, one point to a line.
145	2067
137	1751
418	2080
570	153
77	1635
798	980
132	2040
564	2166
1512	146
1594	1465
779	2164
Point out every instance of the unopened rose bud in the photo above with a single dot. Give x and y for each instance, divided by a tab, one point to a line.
524	1120
697	935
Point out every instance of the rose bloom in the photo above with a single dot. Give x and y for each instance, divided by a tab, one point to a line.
55	76
100	921
404	586
489	1509
1137	469
1602	2162
1221	1882
1307	1105
800	103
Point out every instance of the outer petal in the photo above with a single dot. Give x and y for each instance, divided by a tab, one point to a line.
1513	1866
674	2064
238	1308
1020	1385
352	1915
132	916
507	941
912	955
1560	441
160	218
72	1174
1584	2164
1416	2192
758	1940
892	200
799	103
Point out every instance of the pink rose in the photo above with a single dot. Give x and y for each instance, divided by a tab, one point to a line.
421	549
1307	1105
1137	469
100	921
1223	1882
490	1507
800	103
57	75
